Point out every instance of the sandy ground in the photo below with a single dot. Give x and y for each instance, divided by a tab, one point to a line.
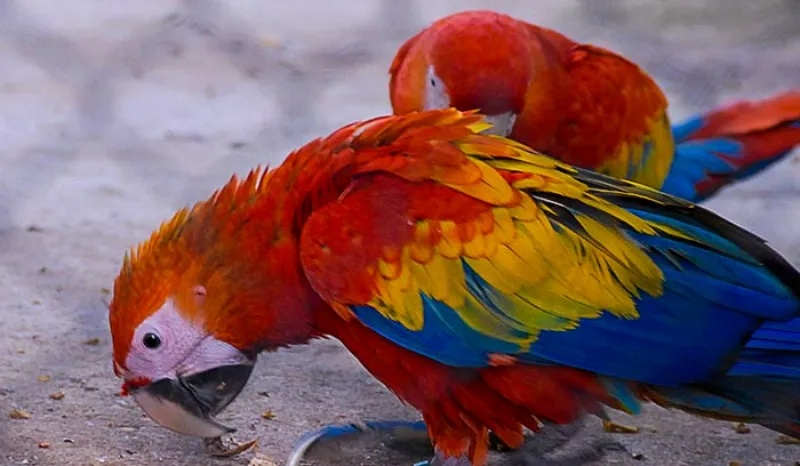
101	142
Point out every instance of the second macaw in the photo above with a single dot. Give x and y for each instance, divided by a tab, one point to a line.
487	285
586	105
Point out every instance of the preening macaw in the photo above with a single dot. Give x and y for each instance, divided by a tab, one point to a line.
586	105
485	284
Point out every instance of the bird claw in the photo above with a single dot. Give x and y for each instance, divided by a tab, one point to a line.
217	448
531	456
531	453
614	428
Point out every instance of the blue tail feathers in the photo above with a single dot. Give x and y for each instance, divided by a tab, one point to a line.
761	386
702	166
732	143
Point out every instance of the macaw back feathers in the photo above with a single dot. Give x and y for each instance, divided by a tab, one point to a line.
549	248
696	222
616	122
549	266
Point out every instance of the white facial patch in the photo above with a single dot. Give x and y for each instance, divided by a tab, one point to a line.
502	123
436	95
177	338
184	347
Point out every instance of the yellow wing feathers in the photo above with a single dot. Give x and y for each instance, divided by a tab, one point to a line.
534	272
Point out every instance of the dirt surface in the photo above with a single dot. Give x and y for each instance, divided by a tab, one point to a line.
100	144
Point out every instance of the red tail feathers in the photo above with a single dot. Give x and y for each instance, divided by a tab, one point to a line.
751	118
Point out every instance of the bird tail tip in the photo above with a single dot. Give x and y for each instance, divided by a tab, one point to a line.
732	143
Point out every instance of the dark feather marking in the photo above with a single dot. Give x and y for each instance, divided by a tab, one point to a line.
630	195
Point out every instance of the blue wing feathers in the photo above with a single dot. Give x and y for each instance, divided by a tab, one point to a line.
729	311
727	282
436	340
716	295
696	231
683	324
658	347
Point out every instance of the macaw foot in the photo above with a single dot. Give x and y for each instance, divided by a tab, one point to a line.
400	442
530	454
614	428
590	454
545	448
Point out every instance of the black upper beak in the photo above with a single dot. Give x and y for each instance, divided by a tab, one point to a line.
188	405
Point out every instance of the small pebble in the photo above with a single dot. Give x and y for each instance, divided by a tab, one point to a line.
19	414
92	341
57	396
786	440
216	447
43	378
741	428
44	444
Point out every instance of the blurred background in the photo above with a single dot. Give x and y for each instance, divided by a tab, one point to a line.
115	113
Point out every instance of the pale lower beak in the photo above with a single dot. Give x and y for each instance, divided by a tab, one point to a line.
187	405
502	123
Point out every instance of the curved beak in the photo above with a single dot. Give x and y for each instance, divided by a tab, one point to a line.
502	123
187	405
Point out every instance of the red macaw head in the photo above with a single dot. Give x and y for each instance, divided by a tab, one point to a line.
192	309
471	60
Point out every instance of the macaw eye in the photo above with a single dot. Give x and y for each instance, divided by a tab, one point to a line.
433	82
151	340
